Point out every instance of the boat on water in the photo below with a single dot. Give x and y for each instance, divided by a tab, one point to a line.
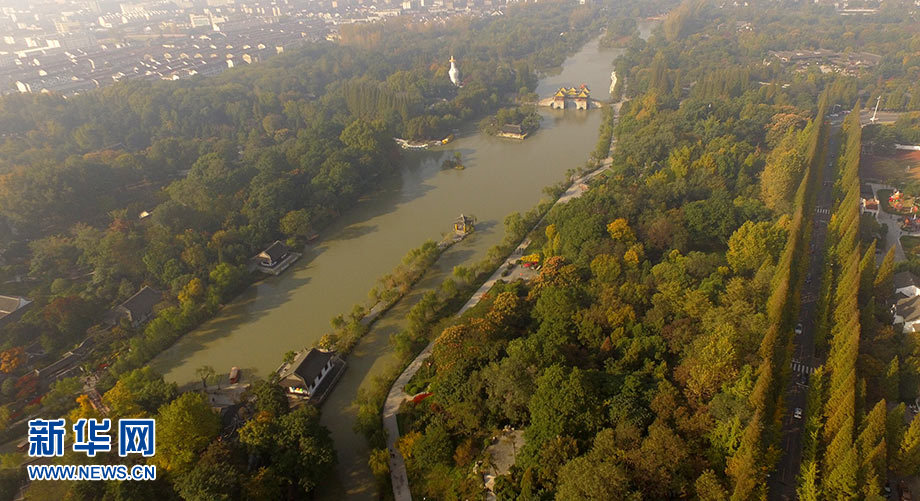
234	375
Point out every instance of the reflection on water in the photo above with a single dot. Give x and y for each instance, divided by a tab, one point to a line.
293	310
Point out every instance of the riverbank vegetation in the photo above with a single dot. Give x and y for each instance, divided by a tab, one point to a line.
605	136
651	356
348	330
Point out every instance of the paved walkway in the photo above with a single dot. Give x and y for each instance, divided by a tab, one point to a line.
397	393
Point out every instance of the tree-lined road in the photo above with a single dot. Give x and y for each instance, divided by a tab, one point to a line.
783	482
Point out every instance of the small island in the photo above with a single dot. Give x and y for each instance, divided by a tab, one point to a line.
453	162
513	123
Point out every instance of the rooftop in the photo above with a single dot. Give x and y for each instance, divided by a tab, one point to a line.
9	304
904	279
275	251
909	308
307	364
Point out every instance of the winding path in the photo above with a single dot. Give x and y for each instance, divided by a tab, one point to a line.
398	395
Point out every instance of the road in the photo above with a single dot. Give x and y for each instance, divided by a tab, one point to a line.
782	483
397	394
883	117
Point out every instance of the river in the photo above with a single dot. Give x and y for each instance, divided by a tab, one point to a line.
292	311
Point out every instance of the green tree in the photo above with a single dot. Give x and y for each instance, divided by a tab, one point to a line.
597	475
139	393
380	464
216	475
587	479
226	280
297	223
306	454
907	462
185	427
883	278
270	397
782	173
891	383
808	489
264	484
433	448
752	244
563	404
708	487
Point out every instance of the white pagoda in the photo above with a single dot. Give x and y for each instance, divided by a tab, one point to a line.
454	72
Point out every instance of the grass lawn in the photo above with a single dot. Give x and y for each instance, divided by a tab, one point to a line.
891	167
911	245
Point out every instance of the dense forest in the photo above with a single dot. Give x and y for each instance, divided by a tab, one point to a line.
651	356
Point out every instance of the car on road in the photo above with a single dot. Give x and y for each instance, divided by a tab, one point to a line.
797	413
798	329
